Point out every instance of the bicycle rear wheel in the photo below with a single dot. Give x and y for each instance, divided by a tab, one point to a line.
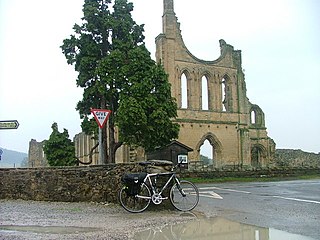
184	196
137	203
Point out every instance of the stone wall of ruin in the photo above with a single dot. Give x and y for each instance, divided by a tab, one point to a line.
102	183
296	158
36	156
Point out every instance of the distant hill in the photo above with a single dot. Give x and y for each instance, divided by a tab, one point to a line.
11	159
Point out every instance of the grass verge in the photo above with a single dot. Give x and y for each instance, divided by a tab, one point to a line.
252	179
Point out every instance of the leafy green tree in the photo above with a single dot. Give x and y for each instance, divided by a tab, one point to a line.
206	160
59	149
117	73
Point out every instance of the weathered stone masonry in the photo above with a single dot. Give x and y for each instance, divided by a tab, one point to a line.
97	183
67	184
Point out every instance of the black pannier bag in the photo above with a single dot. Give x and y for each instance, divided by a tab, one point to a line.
133	182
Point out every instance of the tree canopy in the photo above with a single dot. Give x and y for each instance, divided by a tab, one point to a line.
59	149
117	73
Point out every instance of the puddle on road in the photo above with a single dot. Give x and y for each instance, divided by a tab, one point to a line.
46	229
205	229
217	229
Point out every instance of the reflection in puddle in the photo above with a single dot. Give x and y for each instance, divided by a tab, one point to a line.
217	229
46	229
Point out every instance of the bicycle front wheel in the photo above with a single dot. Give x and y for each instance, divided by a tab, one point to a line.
184	196
137	203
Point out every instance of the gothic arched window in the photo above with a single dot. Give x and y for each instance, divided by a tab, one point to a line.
204	93
224	95
184	91
253	117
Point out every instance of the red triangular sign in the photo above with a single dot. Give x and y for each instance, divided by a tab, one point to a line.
101	116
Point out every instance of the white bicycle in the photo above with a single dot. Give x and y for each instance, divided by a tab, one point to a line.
141	188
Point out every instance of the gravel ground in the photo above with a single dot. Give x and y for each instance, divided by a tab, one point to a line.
60	220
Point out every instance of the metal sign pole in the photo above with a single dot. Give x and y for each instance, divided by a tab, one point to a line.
100	147
101	116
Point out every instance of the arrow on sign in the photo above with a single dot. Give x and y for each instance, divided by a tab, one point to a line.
9	124
101	116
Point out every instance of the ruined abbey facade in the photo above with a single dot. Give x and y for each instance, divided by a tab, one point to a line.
212	105
212	100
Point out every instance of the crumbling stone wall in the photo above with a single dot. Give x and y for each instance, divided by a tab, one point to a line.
67	184
36	156
100	183
296	158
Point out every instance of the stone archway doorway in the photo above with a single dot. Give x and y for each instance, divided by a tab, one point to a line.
257	156
207	153
214	146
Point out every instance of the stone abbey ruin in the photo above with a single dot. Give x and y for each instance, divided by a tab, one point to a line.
212	105
233	125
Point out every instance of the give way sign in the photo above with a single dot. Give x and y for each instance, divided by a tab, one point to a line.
101	116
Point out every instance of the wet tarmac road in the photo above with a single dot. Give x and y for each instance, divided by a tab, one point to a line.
239	211
291	206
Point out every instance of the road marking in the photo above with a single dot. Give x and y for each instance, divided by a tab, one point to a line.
210	194
297	199
225	189
217	196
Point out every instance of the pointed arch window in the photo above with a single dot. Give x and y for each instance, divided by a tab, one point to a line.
204	93
253	117
256	116
224	95
184	91
257	156
207	153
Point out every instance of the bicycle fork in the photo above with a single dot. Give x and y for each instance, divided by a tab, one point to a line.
179	187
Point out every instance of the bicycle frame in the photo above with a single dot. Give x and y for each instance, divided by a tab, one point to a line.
183	195
148	181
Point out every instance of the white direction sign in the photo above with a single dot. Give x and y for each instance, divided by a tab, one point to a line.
101	116
10	124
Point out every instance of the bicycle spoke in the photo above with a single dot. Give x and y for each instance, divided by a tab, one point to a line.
137	203
186	198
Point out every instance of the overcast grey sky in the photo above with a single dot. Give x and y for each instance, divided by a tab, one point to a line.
280	47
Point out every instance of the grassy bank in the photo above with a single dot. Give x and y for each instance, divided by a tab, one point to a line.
251	179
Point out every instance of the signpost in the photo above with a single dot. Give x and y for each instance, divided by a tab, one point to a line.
101	116
9	124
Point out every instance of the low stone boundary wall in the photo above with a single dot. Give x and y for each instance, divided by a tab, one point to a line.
97	183
66	184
